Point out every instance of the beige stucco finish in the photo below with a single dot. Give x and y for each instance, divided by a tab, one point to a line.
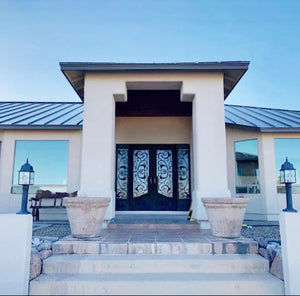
154	130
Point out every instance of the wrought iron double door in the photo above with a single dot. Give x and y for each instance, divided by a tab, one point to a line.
152	177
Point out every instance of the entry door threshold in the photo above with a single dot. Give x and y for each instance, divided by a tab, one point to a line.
152	212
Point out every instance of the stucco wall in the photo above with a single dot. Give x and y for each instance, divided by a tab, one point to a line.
11	203
268	204
154	130
206	90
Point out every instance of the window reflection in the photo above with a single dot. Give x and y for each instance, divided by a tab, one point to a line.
287	148
50	163
247	169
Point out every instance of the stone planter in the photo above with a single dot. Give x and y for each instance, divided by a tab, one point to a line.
225	215
86	215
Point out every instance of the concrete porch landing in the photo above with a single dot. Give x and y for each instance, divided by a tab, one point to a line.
154	234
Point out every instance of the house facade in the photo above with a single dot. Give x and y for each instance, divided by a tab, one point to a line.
153	138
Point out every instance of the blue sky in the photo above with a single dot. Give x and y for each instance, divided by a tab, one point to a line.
37	35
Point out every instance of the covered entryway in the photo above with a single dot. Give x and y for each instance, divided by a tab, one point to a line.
114	106
153	177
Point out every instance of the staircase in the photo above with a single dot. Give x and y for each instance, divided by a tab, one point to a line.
142	255
159	274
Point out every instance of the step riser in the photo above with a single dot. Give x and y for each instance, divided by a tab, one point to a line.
157	288
153	266
94	247
154	226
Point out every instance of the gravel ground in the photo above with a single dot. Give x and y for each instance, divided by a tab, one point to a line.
54	230
268	232
257	231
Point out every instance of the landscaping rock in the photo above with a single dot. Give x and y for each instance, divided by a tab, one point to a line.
263	252
35	265
45	254
271	251
276	267
263	242
45	246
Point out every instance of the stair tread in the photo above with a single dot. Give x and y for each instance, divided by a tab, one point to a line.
157	284
160	277
146	257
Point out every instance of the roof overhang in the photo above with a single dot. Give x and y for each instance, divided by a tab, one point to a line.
75	71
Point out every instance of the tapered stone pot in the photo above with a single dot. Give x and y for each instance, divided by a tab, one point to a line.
225	215
86	215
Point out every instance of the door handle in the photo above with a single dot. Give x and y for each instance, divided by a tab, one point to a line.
154	180
150	180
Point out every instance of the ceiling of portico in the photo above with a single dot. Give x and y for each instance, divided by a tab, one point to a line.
153	102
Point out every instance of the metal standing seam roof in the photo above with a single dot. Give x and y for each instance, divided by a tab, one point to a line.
41	115
69	115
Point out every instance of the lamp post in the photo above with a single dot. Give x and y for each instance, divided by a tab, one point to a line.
26	178
287	177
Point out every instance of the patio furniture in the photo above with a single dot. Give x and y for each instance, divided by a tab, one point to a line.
45	199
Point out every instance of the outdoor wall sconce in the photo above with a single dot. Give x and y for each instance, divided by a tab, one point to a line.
287	177
26	178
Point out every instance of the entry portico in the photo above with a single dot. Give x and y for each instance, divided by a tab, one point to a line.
204	85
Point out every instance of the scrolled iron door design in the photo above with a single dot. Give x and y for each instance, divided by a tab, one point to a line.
140	172
152	177
164	172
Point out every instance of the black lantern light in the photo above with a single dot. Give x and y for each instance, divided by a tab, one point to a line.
26	178
287	177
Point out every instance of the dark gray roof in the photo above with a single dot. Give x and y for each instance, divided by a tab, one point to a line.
40	115
65	115
233	71
264	119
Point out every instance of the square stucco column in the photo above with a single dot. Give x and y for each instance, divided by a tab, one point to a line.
209	142
267	168
98	139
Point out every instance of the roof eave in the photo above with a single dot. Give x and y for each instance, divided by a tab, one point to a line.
280	130
82	67
156	67
39	127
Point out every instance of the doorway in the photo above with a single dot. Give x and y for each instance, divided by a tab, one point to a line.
153	177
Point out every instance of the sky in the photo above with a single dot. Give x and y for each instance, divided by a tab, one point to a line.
38	34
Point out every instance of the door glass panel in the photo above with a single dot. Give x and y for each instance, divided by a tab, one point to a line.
183	174
122	173
164	172
140	172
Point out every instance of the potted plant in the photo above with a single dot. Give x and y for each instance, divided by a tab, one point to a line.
86	215
225	215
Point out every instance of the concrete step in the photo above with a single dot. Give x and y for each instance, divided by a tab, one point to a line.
156	284
109	264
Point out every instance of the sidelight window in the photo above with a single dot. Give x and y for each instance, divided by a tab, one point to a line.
247	168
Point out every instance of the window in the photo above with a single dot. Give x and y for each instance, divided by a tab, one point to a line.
287	148
50	163
247	169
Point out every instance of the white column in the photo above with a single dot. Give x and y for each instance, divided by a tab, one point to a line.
15	249
98	140
209	142
289	227
267	168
